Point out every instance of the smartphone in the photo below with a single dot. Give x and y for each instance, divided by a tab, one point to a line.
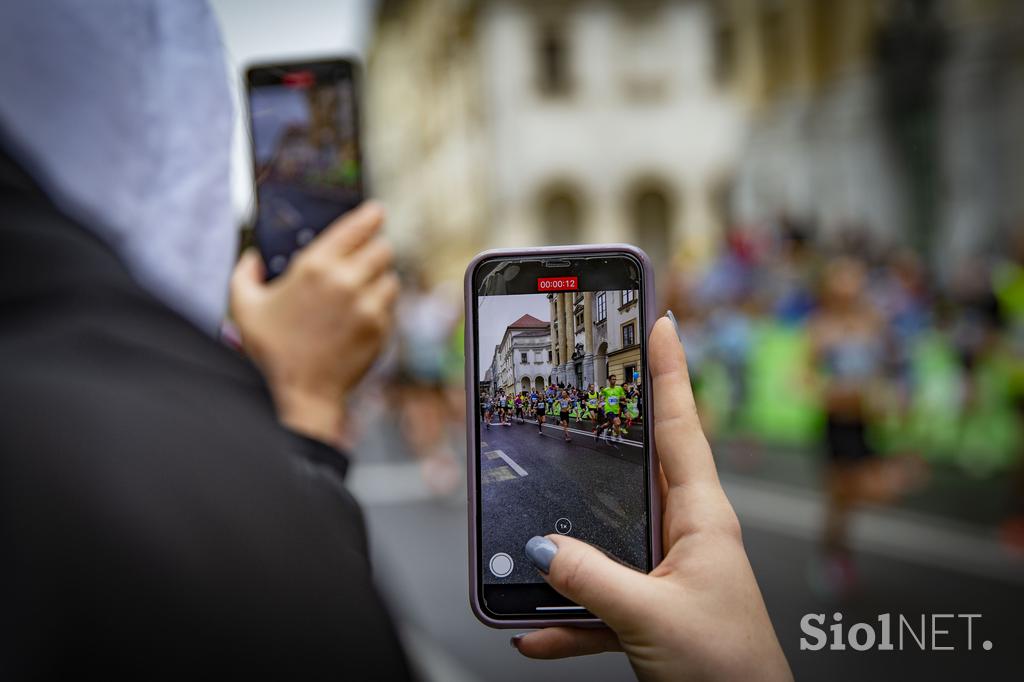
559	432
307	159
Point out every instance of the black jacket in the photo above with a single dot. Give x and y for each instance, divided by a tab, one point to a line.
155	519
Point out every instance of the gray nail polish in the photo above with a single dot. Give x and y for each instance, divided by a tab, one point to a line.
541	552
675	323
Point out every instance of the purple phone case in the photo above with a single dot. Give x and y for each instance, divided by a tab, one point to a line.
654	510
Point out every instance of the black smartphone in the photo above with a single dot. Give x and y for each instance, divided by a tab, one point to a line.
307	158
559	434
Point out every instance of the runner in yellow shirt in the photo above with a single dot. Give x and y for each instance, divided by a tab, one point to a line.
613	397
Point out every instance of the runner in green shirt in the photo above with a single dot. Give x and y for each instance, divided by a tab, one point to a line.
592	400
613	396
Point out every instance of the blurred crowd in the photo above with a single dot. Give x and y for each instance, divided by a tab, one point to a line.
857	349
949	344
771	328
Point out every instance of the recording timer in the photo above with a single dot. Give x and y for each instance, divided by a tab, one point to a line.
546	284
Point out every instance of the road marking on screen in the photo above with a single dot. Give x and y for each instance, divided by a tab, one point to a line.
560	608
624	441
511	462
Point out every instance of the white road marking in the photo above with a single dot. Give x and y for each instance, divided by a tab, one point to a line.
511	462
624	441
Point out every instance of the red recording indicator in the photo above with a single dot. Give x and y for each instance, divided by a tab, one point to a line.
298	79
557	283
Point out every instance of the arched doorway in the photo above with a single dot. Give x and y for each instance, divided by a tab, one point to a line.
651	213
526	384
560	215
538	384
601	365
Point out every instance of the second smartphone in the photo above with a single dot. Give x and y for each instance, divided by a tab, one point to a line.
559	434
307	159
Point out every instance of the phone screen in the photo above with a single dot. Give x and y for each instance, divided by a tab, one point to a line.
306	154
561	410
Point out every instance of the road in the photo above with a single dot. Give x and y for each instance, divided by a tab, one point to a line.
909	564
533	482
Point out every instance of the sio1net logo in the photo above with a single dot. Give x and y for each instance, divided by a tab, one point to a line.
930	632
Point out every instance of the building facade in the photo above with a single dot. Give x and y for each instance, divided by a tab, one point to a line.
898	119
521	362
591	105
521	122
596	334
662	122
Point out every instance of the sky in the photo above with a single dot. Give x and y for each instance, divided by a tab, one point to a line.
494	313
274	30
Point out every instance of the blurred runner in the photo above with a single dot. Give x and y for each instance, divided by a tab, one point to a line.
426	320
848	353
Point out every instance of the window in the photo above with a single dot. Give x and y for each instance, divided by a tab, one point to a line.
775	44
725	49
553	76
579	319
651	216
628	334
522	358
549	356
561	216
601	307
628	296
628	372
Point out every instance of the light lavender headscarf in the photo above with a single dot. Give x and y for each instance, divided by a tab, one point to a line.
121	111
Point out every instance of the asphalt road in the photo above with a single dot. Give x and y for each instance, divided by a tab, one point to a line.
910	563
535	483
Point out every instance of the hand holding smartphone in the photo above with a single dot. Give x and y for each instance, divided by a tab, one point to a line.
556	354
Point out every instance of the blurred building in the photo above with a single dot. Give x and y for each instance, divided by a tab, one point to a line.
427	131
661	122
899	118
519	122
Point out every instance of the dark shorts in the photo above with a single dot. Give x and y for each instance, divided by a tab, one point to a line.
846	440
541	409
610	416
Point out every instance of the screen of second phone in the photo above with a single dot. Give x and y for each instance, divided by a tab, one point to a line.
307	161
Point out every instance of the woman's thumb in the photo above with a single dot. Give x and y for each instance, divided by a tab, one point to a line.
584	574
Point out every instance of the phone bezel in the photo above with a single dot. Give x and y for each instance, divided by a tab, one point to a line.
473	436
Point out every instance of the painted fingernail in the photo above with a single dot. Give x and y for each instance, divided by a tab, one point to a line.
541	552
514	642
675	323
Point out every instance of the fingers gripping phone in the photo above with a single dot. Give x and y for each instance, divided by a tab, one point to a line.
307	160
559	434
